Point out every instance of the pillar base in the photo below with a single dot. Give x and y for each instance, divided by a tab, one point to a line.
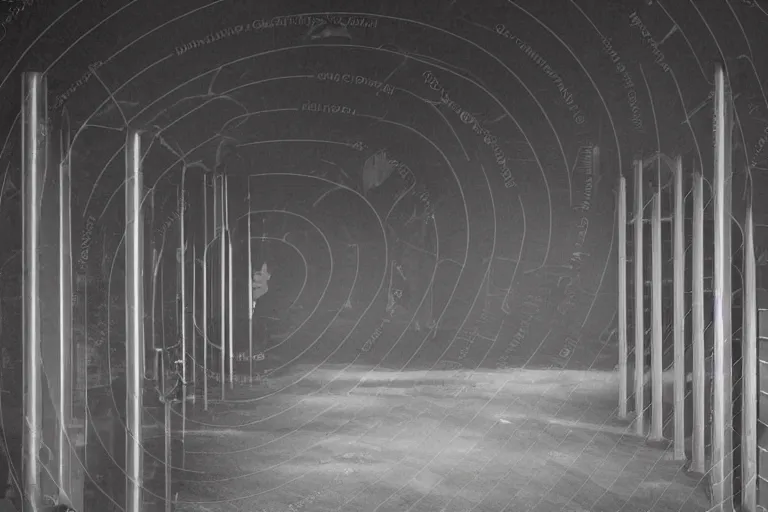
695	470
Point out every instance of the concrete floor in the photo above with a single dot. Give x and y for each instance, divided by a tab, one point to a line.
349	439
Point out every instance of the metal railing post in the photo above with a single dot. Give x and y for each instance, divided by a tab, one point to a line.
34	148
205	293
622	223
678	241
134	313
250	288
749	373
657	333
230	303
722	458
698	384
639	301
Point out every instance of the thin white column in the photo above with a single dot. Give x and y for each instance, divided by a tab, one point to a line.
230	304
220	228
250	287
183	312
66	443
205	292
622	223
168	455
678	240
639	300
134	318
722	461
193	373
657	417
749	373
698	386
155	266
34	148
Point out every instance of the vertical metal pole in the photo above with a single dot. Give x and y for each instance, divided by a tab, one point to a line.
50	311
79	358
193	373
143	261
154	271
205	292
158	370
168	462
250	288
34	142
134	313
639	299
230	311
64	458
161	266
183	313
76	478
749	374
722	466
84	364
679	312
230	304
697	325
656	322
223	282
622	223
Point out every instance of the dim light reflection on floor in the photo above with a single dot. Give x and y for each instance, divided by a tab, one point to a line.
536	440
